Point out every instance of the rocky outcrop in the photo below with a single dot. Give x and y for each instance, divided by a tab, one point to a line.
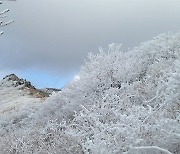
16	81
22	84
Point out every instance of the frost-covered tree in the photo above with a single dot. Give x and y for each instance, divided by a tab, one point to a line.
129	99
124	102
3	15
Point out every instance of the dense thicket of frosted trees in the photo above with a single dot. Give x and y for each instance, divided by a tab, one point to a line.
122	102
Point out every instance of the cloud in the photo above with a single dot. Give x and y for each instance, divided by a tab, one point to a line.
55	36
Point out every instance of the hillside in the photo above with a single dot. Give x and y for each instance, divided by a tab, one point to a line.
18	97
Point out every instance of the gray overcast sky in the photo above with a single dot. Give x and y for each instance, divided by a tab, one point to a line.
54	36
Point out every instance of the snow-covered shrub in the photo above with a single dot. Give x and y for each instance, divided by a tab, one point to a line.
124	99
41	140
131	99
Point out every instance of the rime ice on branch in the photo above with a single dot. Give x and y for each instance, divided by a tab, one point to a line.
3	15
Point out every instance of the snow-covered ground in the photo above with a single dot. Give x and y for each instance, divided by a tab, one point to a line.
16	99
12	99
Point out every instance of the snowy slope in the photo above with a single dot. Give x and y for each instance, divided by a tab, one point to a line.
16	97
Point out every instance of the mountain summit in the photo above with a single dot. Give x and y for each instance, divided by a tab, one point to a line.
18	94
14	81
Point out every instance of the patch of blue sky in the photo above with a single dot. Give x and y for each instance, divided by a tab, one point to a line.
42	79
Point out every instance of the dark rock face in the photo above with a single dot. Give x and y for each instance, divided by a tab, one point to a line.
12	77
